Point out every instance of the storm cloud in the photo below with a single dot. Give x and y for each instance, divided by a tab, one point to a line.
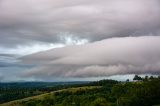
41	39
114	56
32	21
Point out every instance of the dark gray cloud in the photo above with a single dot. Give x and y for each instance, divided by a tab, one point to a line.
118	37
7	60
29	21
11	60
114	56
1	77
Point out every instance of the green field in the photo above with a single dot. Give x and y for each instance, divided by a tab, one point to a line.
42	96
145	92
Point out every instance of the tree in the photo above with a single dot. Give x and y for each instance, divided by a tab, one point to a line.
146	78
127	80
100	102
136	77
151	77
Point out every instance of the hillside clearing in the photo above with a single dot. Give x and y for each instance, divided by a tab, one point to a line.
39	97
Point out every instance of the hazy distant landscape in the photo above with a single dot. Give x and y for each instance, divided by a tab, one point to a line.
140	92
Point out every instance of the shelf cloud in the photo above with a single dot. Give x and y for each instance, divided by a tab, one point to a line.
78	38
114	56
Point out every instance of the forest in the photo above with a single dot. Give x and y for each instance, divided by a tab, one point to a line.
139	92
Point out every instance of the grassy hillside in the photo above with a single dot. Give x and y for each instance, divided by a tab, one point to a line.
145	92
18	90
43	96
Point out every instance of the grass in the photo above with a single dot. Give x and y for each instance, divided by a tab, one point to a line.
39	97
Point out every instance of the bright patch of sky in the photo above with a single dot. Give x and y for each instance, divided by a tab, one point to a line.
22	50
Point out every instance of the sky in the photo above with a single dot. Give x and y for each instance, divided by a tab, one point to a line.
72	40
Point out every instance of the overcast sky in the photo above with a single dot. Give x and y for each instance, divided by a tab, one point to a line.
59	40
